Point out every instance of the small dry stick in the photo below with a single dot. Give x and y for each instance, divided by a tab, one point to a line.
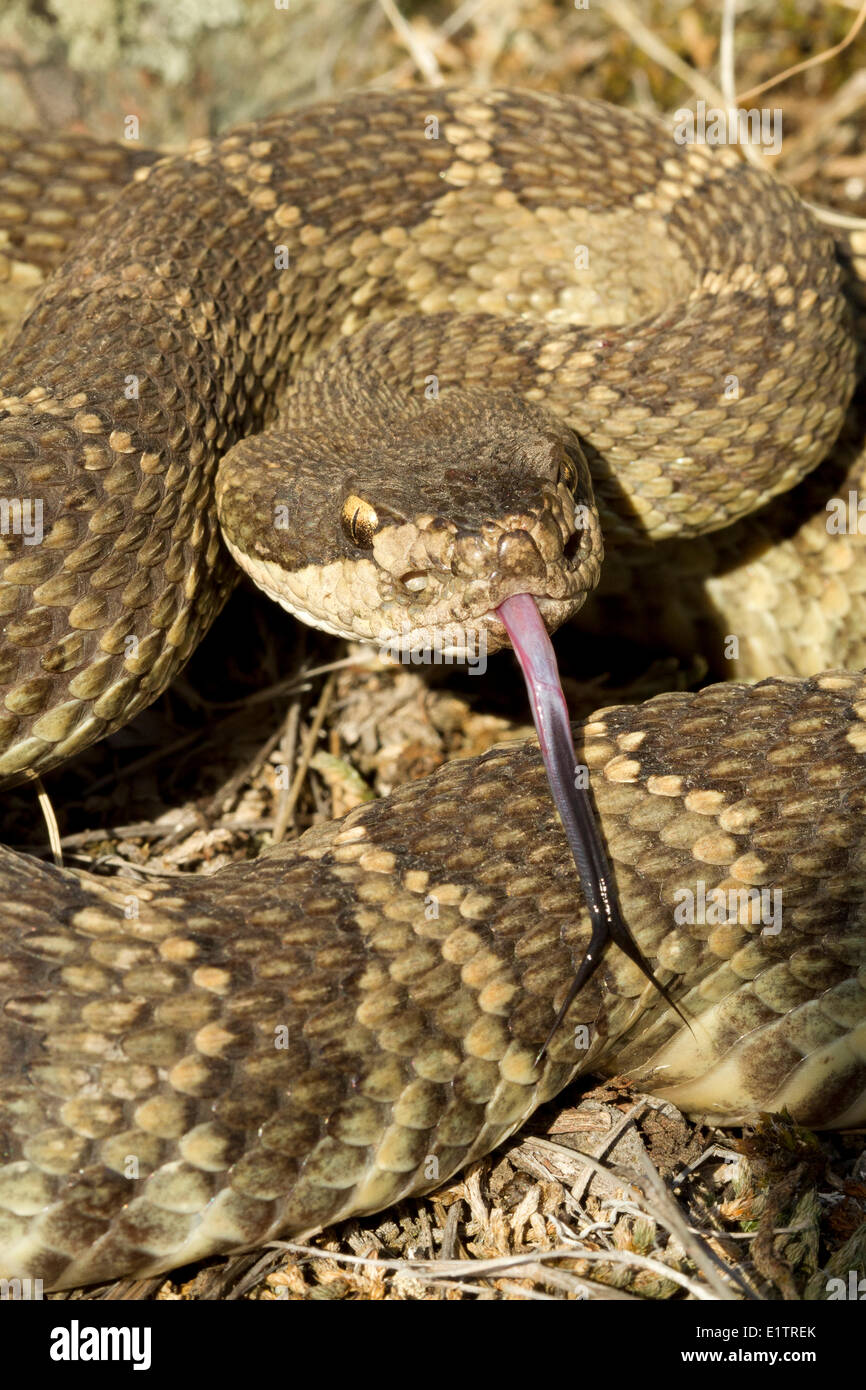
50	823
422	54
809	62
481	1268
654	47
313	732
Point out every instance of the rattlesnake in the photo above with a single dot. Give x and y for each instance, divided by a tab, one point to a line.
487	284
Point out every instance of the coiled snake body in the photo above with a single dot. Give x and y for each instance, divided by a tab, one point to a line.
189	1068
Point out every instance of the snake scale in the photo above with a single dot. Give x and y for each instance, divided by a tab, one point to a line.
187	1067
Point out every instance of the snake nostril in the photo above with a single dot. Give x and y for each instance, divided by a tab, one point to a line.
414	580
572	548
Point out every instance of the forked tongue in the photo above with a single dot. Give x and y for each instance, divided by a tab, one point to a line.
534	650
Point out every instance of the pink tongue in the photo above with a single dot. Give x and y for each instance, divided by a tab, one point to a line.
525	627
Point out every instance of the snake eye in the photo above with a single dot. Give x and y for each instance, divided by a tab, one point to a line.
568	473
359	521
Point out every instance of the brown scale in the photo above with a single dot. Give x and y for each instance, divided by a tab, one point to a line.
150	1042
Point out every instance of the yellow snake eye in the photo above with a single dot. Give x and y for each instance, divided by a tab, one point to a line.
568	473
359	521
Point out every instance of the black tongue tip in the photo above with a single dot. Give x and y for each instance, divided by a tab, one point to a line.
524	624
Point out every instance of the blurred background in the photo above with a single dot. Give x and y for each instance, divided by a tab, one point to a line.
194	67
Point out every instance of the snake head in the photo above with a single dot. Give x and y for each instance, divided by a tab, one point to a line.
408	522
